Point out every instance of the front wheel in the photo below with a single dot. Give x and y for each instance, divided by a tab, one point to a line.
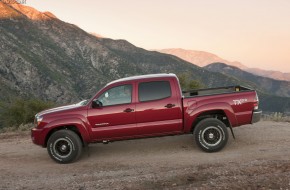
211	135
64	146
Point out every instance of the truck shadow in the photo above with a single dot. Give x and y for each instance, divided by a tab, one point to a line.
170	146
164	145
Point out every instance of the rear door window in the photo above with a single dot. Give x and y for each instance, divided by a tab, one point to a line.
157	90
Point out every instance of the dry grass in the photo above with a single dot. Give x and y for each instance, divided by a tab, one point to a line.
278	117
20	128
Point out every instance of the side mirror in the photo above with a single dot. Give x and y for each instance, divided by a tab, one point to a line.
96	104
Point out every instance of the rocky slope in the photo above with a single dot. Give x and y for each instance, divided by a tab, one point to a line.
42	56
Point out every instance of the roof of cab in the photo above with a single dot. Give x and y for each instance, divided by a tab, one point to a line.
140	77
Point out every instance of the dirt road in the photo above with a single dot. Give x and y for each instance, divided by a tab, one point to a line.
259	158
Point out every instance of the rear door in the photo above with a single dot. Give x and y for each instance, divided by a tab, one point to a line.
158	108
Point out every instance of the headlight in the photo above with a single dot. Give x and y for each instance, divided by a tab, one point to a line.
38	119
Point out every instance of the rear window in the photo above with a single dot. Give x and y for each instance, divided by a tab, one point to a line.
157	90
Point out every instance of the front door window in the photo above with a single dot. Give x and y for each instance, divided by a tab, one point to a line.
117	95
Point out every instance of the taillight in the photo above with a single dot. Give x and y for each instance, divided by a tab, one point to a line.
256	105
256	102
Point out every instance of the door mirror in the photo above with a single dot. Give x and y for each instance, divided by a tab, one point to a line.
96	104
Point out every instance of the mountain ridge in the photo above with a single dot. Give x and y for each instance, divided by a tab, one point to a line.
22	10
200	58
270	74
268	84
203	58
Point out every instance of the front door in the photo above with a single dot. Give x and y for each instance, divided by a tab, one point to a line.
115	119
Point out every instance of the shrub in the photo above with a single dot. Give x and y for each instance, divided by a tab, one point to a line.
187	84
21	111
276	116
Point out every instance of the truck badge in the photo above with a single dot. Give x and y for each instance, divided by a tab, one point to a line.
240	101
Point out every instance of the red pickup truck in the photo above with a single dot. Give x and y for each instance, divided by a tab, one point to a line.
145	106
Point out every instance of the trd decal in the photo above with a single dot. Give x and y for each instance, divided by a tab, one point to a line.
240	101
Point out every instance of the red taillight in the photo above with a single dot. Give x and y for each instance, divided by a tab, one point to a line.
256	102
256	105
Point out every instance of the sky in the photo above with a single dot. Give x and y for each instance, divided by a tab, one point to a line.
255	33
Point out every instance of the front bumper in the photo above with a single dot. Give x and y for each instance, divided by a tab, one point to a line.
37	136
256	116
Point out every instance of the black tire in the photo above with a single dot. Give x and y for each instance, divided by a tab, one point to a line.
211	135
64	146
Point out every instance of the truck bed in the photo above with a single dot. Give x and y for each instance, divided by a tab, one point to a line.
214	91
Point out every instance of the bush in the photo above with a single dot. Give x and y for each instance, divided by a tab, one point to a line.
21	111
276	116
187	84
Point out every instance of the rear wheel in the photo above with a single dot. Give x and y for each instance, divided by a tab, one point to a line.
211	135
64	146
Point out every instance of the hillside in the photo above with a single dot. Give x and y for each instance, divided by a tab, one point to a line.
42	56
271	98
271	86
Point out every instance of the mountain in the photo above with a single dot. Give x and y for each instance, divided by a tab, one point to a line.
44	57
271	86
202	58
271	74
268	101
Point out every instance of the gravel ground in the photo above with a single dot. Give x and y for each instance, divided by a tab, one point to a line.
259	158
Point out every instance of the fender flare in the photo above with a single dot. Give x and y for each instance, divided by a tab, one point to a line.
194	111
78	123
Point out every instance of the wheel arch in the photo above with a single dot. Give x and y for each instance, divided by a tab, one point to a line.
218	113
74	124
66	127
